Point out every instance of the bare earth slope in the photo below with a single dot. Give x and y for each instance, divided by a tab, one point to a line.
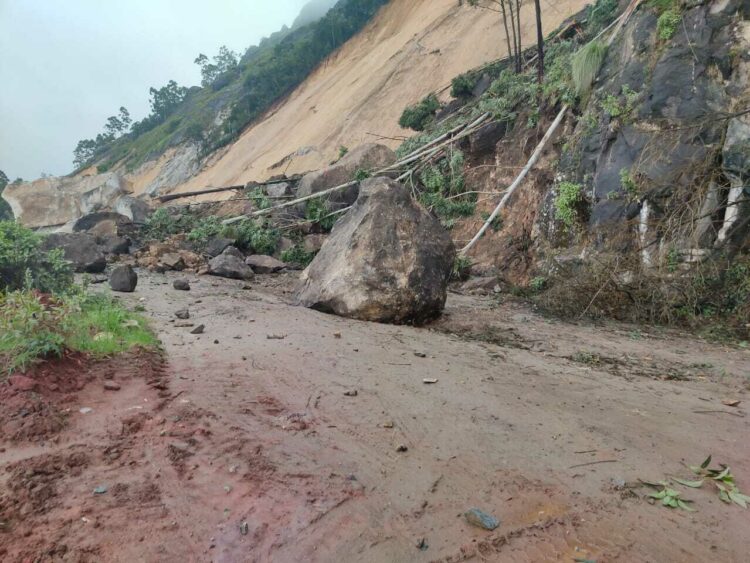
256	447
411	48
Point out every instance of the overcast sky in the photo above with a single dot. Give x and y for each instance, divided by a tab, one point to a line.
66	65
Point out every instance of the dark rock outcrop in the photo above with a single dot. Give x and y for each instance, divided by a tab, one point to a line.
387	260
217	245
81	249
123	279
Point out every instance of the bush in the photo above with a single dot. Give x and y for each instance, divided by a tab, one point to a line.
318	212
254	237
417	116
462	86
33	327
667	24
586	64
24	265
569	196
205	229
297	256
600	15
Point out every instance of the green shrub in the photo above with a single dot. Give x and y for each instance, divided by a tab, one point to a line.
317	211
252	236
204	229
443	182
629	185
297	256
667	24
343	151
361	175
586	64
24	265
461	267
600	15
568	198
417	116
462	86
33	328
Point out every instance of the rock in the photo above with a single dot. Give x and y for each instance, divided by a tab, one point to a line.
351	393
100	490
182	314
80	249
124	279
367	157
173	261
313	243
85	410
111	386
113	244
387	260
137	210
198	330
217	245
264	264
101	223
23	383
476	517
230	264
484	140
402	448
181	285
279	190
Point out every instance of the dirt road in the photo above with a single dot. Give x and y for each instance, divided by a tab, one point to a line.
275	436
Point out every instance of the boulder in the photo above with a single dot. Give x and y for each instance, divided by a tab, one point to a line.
313	243
367	157
387	260
230	264
279	190
123	279
80	249
137	210
113	244
217	245
101	223
264	264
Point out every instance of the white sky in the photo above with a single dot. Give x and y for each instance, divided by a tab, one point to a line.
67	65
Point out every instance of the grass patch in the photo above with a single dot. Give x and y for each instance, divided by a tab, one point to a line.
35	326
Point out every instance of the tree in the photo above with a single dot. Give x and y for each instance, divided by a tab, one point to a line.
6	213
166	99
510	10
3	181
539	42
225	61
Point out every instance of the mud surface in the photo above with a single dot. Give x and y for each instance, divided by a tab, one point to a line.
249	443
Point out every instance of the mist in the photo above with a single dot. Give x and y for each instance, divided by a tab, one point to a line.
67	66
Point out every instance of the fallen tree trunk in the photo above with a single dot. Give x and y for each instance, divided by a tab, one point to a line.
172	197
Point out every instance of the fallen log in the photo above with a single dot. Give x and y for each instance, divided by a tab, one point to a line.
172	197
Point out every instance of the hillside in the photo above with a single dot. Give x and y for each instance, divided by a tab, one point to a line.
410	48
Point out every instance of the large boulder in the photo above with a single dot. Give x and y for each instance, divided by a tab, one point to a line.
124	279
81	249
230	264
101	223
387	260
368	157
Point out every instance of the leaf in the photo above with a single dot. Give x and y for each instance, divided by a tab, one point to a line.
692	484
695	469
666	500
684	506
721	475
706	463
739	498
724	496
660	494
673	502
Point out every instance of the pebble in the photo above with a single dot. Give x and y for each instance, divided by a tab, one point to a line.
402	448
181	285
476	517
111	386
100	490
86	410
182	314
351	393
198	330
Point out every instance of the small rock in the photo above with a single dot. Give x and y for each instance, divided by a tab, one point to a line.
100	490
429	380
351	393
216	341
181	285
420	354
182	314
402	448
422	544
264	264
275	336
198	330
183	324
85	410
476	517
731	402
111	386
388	424
123	279
337	335
244	528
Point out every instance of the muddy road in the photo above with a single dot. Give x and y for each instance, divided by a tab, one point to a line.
283	434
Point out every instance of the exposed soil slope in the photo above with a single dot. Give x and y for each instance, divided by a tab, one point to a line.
411	48
255	451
